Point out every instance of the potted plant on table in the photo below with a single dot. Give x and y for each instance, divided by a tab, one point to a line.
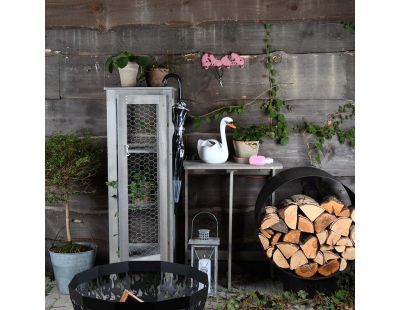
155	74
130	67
246	141
71	163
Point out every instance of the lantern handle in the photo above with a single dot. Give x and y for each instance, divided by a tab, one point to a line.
204	212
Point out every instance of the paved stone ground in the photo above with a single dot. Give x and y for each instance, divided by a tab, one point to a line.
240	285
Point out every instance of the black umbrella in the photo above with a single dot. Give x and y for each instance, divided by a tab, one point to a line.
179	112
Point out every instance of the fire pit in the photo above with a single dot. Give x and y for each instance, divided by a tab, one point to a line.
281	243
161	285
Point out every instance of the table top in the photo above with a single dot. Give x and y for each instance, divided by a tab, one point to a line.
229	165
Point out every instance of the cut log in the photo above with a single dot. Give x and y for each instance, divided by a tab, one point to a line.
319	259
269	220
280	260
275	238
340	248
264	241
292	236
280	226
298	259
304	224
328	255
310	247
349	253
270	231
329	268
289	215
287	249
303	200
323	221
343	264
341	226
307	270
265	233
270	251
344	213
333	237
270	209
326	247
311	211
332	205
345	241
353	234
286	202
322	236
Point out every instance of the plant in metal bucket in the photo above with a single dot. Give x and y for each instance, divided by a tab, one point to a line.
71	162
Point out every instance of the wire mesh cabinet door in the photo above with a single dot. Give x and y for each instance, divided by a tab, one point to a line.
140	218
142	175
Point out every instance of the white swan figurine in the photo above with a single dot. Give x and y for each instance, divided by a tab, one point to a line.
212	151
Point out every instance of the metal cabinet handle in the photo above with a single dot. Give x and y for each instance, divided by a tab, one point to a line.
127	150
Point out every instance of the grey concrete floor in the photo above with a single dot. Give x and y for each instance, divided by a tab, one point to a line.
240	285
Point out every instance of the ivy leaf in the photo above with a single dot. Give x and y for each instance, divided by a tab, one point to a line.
278	103
273	72
197	122
122	62
269	65
284	140
272	113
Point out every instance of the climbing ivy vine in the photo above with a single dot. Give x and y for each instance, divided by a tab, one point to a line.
332	127
276	126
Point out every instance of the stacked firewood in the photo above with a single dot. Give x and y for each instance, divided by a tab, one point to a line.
307	237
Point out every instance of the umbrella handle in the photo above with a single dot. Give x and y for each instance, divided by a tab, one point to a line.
178	78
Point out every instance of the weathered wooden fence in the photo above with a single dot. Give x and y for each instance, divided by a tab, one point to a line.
315	70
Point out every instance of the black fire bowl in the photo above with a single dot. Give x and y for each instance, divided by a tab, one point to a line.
161	285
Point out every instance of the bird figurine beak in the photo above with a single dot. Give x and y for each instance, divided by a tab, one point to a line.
231	125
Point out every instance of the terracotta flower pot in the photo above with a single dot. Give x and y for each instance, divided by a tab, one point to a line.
129	74
155	76
245	149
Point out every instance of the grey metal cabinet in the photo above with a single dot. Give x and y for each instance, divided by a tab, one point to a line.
141	207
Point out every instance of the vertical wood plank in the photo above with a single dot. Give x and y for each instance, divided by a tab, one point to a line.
112	157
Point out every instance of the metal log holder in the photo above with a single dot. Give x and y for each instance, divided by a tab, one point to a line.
290	280
161	285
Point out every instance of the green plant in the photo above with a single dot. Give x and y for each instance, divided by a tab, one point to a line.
71	162
141	188
120	60
349	26
252	133
276	126
331	128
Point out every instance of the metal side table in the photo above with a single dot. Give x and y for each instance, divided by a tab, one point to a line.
230	168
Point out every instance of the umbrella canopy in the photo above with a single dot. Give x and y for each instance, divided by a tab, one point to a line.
179	112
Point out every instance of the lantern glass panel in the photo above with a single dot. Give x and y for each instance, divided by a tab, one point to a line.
204	259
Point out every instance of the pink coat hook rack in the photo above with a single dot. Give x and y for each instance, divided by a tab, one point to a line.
217	66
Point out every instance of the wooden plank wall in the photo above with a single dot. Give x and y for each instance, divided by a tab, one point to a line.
316	72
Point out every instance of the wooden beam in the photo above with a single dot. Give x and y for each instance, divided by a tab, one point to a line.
245	38
107	14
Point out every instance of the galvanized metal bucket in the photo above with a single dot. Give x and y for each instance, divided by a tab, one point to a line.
67	265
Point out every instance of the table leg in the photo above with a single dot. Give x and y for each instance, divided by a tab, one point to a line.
186	211
273	194
230	229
